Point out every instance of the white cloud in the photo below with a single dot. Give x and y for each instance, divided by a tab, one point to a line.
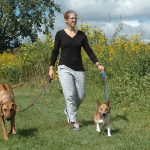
107	14
100	9
132	23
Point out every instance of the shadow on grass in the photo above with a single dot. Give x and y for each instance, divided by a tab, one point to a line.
116	130
27	132
113	131
104	129
87	122
120	117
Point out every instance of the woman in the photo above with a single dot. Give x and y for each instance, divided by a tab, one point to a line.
70	68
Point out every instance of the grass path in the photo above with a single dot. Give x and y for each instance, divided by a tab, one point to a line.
44	126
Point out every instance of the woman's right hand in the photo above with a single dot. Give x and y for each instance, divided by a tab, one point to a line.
101	68
51	72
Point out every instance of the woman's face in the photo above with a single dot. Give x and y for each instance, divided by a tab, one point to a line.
72	20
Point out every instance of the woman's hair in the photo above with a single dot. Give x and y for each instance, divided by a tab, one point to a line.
66	15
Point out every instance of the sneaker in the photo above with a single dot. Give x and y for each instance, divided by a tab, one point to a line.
76	126
66	113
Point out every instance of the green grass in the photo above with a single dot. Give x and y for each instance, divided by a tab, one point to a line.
44	126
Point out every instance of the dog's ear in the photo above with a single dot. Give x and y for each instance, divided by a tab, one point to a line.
1	113
98	102
15	107
109	102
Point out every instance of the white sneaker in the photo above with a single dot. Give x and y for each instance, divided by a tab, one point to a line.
66	113
76	126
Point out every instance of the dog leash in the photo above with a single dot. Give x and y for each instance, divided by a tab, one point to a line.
38	96
105	81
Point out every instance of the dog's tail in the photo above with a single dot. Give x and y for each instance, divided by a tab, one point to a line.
17	85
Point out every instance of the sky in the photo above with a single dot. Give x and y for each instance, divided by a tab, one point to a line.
108	14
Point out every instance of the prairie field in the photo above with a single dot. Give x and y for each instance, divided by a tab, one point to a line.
44	126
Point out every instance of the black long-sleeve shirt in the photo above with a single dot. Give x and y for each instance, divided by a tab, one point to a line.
71	50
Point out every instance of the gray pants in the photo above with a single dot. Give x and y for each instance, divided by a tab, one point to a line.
73	86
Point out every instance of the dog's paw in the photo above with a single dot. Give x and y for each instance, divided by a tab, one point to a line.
109	135
98	130
6	138
12	132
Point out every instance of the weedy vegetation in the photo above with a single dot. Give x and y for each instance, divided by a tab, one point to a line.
44	125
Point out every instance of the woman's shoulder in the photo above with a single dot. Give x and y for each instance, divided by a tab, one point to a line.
82	33
59	34
60	31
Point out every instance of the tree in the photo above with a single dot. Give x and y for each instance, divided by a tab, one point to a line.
21	19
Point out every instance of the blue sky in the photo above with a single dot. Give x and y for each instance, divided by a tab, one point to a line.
107	14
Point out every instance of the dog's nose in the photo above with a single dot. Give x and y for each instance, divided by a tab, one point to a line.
104	114
8	118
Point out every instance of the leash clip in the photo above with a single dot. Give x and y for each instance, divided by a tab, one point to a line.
103	75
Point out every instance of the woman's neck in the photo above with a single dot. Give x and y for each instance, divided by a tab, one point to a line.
71	29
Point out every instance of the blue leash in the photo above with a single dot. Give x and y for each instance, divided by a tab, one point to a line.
105	80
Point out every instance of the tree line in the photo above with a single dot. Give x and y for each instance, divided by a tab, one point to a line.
20	19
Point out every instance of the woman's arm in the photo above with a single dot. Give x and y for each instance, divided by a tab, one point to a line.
91	54
54	55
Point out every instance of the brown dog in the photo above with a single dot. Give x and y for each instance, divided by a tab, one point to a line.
103	117
8	108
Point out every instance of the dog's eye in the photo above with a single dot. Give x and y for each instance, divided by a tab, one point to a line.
5	109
